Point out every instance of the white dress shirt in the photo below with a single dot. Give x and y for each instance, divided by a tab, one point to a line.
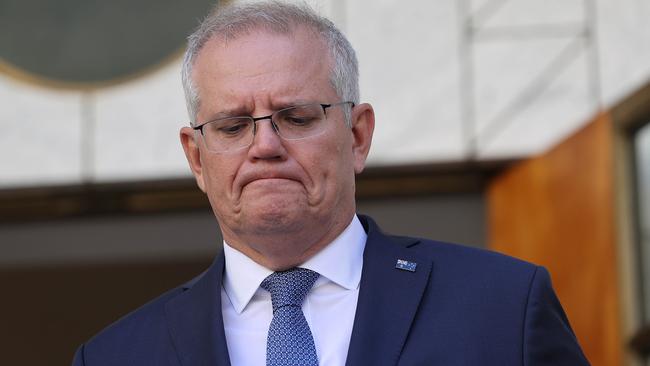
329	307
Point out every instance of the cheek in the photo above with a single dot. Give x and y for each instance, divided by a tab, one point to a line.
219	176
336	165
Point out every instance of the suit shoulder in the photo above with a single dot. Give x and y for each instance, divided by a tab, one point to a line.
470	260
482	254
142	328
445	254
142	317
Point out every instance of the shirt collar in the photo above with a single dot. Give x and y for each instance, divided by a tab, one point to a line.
340	262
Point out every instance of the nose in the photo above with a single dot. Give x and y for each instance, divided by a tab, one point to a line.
267	144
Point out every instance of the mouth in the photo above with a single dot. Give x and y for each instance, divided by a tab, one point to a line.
272	185
273	180
269	178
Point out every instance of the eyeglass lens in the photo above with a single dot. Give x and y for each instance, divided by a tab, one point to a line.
293	123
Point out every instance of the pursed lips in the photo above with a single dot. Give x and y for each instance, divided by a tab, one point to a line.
268	176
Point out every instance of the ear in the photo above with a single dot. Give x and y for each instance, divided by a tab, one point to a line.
193	154
363	126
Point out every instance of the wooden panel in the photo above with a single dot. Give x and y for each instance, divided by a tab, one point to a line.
557	210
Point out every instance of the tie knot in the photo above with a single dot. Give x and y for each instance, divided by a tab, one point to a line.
289	287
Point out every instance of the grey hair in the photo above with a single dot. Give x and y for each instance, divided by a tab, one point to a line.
234	20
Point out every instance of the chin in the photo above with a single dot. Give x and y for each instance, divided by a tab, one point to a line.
276	218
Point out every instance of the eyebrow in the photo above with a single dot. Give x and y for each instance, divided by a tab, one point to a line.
234	112
243	111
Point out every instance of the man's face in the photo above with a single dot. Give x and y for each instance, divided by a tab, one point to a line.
276	195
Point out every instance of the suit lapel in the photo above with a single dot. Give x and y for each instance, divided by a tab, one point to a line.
195	320
388	298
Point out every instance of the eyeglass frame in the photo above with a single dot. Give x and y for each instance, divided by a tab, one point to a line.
270	118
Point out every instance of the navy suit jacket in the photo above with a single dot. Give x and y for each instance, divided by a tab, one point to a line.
461	306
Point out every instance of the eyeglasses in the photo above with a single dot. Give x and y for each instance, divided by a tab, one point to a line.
294	123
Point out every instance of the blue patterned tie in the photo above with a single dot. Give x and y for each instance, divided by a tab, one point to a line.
290	341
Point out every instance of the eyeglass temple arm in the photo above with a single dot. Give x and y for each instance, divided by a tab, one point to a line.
325	106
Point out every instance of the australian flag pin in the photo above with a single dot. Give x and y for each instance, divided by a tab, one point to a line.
406	265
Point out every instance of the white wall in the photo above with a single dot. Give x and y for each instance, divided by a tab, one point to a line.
415	68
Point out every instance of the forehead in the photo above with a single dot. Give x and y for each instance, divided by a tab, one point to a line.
262	66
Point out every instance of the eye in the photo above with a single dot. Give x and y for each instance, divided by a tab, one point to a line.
232	127
298	117
299	120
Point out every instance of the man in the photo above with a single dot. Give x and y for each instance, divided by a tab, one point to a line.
277	137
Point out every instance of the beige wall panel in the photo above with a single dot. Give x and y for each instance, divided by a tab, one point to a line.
41	139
